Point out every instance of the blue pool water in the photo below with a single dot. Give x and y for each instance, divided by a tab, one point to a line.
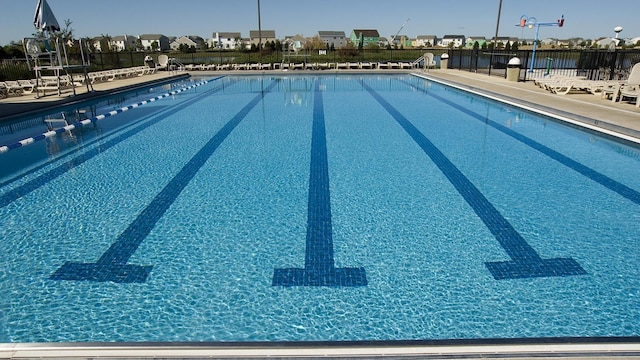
319	208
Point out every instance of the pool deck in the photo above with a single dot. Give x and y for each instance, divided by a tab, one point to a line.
616	119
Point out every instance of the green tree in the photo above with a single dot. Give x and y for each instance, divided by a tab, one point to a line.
238	44
105	43
373	47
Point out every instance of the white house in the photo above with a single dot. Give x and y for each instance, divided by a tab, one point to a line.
123	42
456	40
424	41
226	40
148	40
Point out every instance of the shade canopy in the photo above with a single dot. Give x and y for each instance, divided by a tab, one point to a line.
44	18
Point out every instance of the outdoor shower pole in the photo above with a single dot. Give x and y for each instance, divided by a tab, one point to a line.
530	22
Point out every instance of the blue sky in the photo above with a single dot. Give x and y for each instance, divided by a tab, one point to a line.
584	18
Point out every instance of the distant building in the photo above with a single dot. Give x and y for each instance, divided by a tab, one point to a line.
97	42
472	40
191	41
336	38
401	41
266	35
226	40
456	40
123	42
361	37
425	41
148	40
503	41
296	43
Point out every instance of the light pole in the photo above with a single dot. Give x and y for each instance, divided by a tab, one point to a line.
495	39
259	35
530	22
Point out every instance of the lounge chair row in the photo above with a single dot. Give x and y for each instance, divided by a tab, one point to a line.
561	84
304	66
616	90
21	87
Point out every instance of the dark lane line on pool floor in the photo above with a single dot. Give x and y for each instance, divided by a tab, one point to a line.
525	261
319	266
609	183
112	265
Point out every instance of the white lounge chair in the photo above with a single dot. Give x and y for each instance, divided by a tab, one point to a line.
629	92
163	62
613	89
429	61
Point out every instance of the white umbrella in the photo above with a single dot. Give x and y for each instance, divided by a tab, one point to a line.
44	18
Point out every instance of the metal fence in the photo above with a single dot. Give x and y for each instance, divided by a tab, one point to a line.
592	64
15	69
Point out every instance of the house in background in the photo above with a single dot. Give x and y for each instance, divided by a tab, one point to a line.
123	42
471	41
424	41
448	40
267	36
401	41
226	40
147	41
96	44
363	37
335	38
191	41
296	43
502	41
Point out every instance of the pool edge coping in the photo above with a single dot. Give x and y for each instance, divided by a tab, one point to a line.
516	348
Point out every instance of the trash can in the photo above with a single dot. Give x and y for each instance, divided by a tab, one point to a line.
444	61
148	60
513	69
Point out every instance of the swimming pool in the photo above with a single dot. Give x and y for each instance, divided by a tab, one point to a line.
331	208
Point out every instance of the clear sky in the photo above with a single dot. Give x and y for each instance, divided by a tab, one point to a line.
588	19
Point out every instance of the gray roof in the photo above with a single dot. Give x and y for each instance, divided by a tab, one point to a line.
265	34
151	36
366	33
230	35
331	33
